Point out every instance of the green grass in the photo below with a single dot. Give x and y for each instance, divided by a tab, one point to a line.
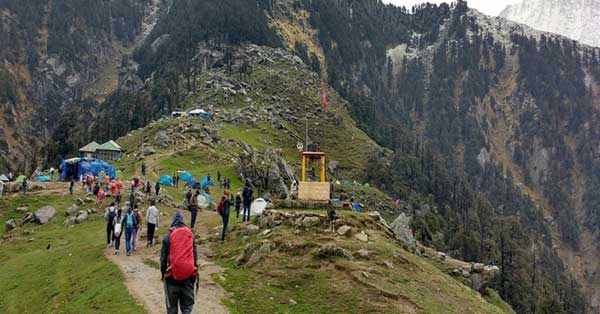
152	263
73	276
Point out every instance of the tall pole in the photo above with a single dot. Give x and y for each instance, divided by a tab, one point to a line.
306	140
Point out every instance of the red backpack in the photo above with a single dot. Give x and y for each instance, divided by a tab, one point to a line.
220	208
181	254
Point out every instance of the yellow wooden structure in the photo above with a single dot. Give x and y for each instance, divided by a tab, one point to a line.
314	190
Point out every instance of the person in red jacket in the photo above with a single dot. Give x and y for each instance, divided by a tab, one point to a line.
179	267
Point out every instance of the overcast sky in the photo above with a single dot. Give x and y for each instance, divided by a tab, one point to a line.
490	7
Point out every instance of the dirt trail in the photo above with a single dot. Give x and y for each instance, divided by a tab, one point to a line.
144	282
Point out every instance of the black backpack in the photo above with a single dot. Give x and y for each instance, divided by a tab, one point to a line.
111	215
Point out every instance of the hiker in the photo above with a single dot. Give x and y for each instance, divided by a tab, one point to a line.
227	183
194	208
224	208
332	215
331	189
238	205
71	186
143	169
51	173
147	189
100	198
118	198
119	186
218	176
129	224
248	197
24	186
113	188
179	267
138	219
106	181
176	179
109	215
152	222
157	188
96	189
187	200
117	224
132	200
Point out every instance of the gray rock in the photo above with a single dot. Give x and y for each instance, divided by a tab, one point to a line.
245	254
402	231
309	222
344	230
21	210
72	211
148	150
70	221
333	166
332	251
478	267
79	202
162	139
9	225
362	237
44	214
83	216
362	253
252	229
259	254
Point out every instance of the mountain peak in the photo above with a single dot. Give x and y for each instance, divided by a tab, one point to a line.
576	19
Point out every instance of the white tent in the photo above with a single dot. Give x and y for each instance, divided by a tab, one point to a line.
197	112
258	207
4	178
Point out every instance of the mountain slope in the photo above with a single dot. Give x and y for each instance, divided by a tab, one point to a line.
578	19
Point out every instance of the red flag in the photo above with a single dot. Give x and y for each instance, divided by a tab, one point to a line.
324	93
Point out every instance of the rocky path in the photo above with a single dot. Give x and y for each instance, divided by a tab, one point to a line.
144	284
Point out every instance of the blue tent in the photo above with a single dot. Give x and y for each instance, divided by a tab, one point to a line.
166	180
43	178
206	182
77	167
186	177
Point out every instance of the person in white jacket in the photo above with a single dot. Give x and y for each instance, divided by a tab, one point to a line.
152	221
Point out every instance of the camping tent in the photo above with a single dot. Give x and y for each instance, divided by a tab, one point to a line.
77	167
21	178
4	178
258	207
204	200
200	113
166	180
43	178
186	177
206	182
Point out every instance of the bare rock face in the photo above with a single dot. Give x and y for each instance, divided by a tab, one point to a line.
44	214
401	229
266	170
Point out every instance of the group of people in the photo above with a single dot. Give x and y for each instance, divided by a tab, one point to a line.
129	221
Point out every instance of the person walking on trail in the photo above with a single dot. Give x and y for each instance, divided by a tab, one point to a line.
24	186
179	267
117	229
188	198
71	186
218	176
248	197
100	198
148	189
152	222
96	189
138	218
130	224
238	205
157	188
109	215
51	173
143	169
194	208
224	209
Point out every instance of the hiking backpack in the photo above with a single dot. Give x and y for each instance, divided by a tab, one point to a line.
118	228
220	208
129	223
111	215
181	254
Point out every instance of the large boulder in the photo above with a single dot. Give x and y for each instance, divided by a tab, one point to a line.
162	139
344	230
9	225
309	222
266	170
259	254
44	214
402	231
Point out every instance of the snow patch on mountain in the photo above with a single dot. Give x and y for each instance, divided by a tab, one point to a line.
576	19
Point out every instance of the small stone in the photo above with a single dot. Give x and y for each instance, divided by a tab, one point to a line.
71	211
21	210
252	229
10	224
266	232
388	264
292	302
83	216
310	222
478	267
79	202
362	253
70	221
362	237
466	274
343	230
